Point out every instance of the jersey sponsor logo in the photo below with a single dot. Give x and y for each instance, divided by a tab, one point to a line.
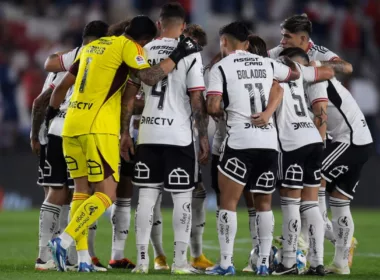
250	74
80	105
269	126
61	114
141	171
156	121
339	170
236	167
299	125
249	61
162	49
95	50
294	173
266	180
179	176
140	60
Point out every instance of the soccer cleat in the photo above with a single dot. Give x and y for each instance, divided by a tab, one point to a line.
248	268
319	271
59	254
333	269
121	264
141	269
97	265
201	262
282	270
85	267
42	266
215	265
218	270
263	270
71	267
184	269
354	243
160	263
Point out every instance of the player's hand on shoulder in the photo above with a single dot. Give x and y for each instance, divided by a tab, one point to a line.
260	119
204	149
126	146
35	145
184	48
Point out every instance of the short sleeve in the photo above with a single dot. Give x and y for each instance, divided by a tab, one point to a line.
275	52
309	73
215	82
67	59
281	72
134	55
317	92
58	78
194	78
133	80
324	54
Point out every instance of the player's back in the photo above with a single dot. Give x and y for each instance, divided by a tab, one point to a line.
247	80
101	74
294	125
166	118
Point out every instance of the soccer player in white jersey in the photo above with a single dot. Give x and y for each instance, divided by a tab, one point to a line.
300	163
165	153
244	81
296	31
342	162
57	176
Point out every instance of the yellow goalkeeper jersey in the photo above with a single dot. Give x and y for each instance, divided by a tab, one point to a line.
101	71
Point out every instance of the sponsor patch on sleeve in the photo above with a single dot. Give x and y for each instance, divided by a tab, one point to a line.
140	60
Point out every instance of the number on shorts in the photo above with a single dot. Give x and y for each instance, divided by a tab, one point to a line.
84	78
298	108
159	90
253	92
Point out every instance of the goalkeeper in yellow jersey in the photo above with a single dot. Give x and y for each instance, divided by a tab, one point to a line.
93	122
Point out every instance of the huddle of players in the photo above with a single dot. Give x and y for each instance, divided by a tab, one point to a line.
244	91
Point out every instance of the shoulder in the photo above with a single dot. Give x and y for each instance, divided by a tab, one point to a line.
275	52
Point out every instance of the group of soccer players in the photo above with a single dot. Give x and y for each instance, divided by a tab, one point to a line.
272	116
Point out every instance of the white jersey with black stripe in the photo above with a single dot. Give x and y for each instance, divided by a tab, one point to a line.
294	125
346	122
244	80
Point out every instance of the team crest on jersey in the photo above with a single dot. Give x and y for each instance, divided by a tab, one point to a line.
140	60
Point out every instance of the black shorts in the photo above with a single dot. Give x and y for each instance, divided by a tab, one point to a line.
341	166
301	167
171	166
214	173
257	166
41	164
55	169
126	167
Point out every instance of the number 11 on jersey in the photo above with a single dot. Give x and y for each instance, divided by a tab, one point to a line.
253	91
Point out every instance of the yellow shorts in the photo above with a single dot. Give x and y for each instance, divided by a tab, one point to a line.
96	156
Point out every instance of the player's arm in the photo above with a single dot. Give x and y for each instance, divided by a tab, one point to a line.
215	93
320	117
275	97
54	62
152	75
198	106
325	57
285	71
138	106
316	74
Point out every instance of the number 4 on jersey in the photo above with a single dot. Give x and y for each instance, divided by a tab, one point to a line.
159	90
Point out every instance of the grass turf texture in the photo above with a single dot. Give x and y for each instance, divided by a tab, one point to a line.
19	248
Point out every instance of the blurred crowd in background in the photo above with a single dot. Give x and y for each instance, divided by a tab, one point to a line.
30	30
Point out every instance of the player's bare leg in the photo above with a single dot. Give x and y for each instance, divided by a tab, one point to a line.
249	202
121	220
264	227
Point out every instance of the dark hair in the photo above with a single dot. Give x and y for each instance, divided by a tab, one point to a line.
196	32
295	52
257	45
298	23
118	29
236	29
141	28
172	10
96	28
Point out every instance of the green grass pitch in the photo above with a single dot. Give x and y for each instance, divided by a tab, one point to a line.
19	245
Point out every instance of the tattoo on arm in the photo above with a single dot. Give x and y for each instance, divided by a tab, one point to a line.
152	75
198	105
338	66
38	111
321	118
127	107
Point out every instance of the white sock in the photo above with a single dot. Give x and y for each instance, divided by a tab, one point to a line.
252	226
144	222
48	224
315	226
264	227
156	233
304	230
227	226
181	225
84	256
64	217
198	222
329	233
291	227
91	238
343	226
121	220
